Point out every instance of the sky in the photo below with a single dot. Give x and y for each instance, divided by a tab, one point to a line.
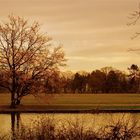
94	33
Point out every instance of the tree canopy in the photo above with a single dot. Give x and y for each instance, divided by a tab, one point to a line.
26	57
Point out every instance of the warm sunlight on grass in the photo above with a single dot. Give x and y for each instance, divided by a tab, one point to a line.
79	101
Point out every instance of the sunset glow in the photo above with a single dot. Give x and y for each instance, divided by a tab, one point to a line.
94	33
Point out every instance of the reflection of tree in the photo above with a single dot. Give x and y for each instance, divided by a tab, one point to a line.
15	123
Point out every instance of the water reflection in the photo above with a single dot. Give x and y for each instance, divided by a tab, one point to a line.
13	121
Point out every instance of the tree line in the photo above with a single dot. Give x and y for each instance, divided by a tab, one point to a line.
105	80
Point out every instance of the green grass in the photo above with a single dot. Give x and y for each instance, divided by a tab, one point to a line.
78	101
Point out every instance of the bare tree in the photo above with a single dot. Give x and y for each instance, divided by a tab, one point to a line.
26	57
134	18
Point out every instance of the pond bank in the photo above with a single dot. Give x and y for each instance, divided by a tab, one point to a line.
4	109
72	126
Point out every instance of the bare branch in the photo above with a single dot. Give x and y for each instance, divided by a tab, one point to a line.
27	55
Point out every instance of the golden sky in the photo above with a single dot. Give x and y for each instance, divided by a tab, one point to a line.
93	32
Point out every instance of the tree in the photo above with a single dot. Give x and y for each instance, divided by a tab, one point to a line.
106	70
55	82
112	82
134	76
134	18
79	83
26	57
134	70
68	77
97	81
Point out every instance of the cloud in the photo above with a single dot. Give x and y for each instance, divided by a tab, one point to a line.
93	32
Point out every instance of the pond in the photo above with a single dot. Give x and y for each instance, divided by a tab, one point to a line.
96	120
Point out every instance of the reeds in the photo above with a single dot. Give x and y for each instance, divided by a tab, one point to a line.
47	128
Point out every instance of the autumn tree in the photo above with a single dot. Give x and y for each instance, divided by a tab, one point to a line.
26	57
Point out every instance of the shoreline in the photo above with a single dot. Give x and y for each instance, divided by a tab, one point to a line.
74	103
5	109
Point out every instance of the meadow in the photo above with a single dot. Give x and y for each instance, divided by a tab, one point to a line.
75	102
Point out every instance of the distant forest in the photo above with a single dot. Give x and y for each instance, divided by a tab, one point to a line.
105	80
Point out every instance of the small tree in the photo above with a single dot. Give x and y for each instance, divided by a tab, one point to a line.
26	57
134	76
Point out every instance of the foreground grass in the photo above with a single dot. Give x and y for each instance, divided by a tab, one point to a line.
77	102
46	128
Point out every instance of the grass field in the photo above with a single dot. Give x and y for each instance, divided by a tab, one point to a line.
77	101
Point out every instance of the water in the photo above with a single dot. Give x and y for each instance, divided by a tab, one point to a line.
96	120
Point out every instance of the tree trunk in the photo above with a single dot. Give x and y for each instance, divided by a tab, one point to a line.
13	100
13	105
13	125
17	101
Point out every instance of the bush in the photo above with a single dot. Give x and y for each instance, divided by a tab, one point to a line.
47	128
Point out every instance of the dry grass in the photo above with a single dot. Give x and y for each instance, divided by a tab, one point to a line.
79	101
46	128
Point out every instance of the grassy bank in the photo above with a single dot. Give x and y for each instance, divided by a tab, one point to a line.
74	102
